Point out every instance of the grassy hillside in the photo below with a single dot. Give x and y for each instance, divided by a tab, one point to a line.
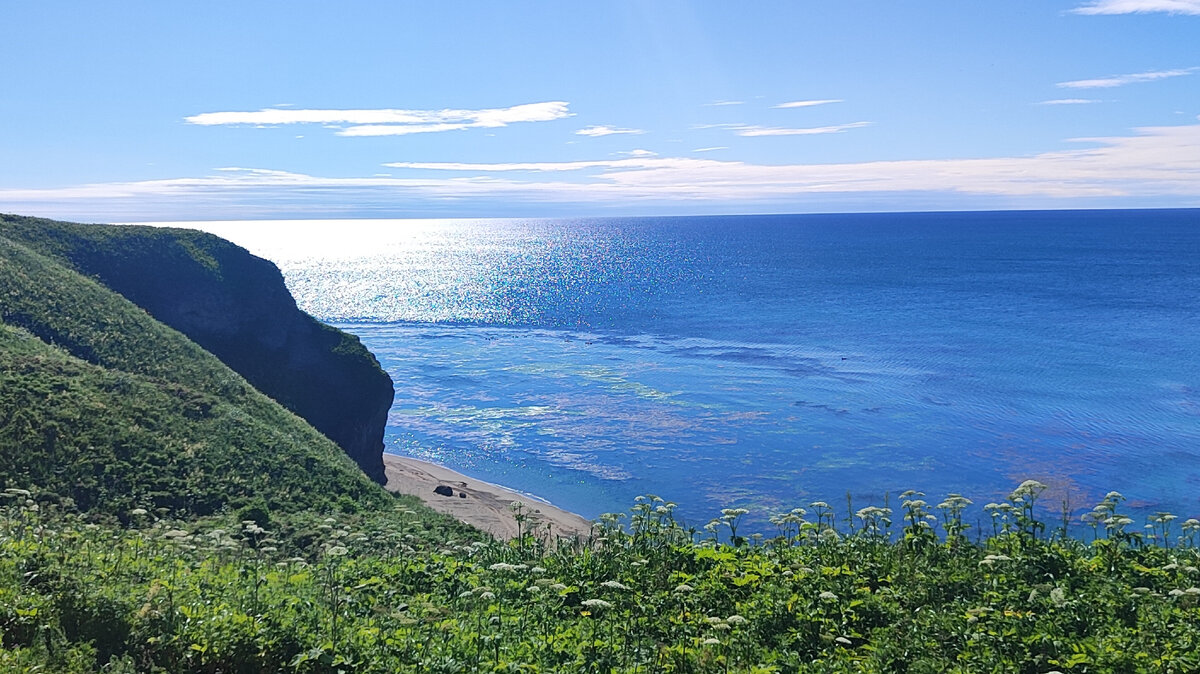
235	306
102	404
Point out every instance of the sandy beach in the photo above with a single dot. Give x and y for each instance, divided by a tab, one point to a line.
483	505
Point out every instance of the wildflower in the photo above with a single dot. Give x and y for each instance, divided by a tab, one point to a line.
715	620
684	587
1058	596
534	589
487	596
597	604
1176	592
336	551
614	585
137	512
735	620
844	641
711	642
827	596
503	566
558	587
871	511
537	570
1192	590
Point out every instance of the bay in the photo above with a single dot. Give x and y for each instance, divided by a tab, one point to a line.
769	361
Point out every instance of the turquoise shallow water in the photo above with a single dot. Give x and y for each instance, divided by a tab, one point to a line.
770	361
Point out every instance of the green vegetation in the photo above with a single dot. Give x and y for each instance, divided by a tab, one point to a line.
103	405
385	593
230	303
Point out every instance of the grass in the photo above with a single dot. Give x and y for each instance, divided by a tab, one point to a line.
385	592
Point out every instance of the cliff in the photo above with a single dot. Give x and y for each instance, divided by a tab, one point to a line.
235	306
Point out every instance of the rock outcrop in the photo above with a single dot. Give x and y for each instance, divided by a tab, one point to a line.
234	305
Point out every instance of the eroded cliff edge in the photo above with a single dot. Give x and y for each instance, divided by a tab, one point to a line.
236	306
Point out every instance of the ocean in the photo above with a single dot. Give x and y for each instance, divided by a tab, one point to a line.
766	362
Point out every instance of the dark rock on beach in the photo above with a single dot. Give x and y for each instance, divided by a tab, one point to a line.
443	490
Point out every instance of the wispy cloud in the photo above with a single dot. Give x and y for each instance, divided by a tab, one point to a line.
1068	101
711	149
1153	162
776	131
388	121
808	104
721	103
639	153
1140	7
1122	80
596	131
553	166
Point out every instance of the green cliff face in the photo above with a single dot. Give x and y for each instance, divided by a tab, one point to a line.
235	306
103	404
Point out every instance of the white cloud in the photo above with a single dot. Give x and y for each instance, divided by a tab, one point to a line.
1153	162
775	131
639	153
400	129
390	122
1068	101
711	149
595	131
1121	80
808	104
1140	7
721	103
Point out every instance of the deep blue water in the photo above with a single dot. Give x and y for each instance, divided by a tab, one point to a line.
769	361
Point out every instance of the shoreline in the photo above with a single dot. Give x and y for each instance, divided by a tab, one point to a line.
483	505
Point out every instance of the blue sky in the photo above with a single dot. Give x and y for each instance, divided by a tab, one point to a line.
140	111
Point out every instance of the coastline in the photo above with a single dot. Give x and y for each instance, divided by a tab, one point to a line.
483	505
